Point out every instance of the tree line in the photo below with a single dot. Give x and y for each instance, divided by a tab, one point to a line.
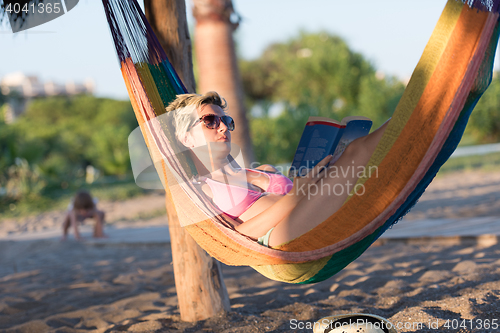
51	144
319	75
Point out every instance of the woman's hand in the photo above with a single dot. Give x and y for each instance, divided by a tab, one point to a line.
303	186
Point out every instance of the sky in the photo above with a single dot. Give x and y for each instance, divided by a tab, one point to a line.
77	46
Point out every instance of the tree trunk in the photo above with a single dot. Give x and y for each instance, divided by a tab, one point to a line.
198	279
217	64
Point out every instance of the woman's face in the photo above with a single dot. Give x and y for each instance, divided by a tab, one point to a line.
201	135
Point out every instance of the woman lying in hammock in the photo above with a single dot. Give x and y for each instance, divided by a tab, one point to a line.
266	205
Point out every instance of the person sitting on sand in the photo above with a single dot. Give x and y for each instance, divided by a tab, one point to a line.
83	207
267	207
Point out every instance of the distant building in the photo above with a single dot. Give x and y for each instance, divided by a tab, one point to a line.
23	88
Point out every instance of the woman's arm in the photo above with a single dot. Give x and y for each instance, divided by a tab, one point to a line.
267	168
260	224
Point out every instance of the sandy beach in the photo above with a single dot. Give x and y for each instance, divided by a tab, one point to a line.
438	270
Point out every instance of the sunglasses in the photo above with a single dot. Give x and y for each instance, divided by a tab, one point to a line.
212	121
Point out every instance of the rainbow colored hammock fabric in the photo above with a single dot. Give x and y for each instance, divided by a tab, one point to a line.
453	72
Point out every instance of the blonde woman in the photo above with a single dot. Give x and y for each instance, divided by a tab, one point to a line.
266	205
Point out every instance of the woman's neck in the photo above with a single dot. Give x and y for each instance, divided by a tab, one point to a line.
208	164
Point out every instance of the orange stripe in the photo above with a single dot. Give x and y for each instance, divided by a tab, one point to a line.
407	152
127	69
135	106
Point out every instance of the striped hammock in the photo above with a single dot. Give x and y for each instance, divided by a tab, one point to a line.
427	125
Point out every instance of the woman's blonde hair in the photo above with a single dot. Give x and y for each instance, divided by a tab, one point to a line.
185	105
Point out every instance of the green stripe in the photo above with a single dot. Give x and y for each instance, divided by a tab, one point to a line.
341	259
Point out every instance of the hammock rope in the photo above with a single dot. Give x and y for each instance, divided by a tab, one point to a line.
427	125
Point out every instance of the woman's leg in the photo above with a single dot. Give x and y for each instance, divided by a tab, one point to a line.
328	195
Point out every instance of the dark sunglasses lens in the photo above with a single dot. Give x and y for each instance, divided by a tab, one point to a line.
229	122
211	121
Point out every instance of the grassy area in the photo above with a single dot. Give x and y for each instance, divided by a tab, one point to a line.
488	162
121	189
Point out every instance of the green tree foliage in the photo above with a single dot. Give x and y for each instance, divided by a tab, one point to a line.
484	123
275	139
311	67
378	98
56	138
313	75
8	139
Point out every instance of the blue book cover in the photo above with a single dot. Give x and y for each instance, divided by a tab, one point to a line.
324	136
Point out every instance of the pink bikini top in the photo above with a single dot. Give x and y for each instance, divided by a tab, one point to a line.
235	200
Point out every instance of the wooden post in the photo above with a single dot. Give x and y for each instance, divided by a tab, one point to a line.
198	279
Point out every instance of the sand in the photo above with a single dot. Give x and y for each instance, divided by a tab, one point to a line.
420	283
